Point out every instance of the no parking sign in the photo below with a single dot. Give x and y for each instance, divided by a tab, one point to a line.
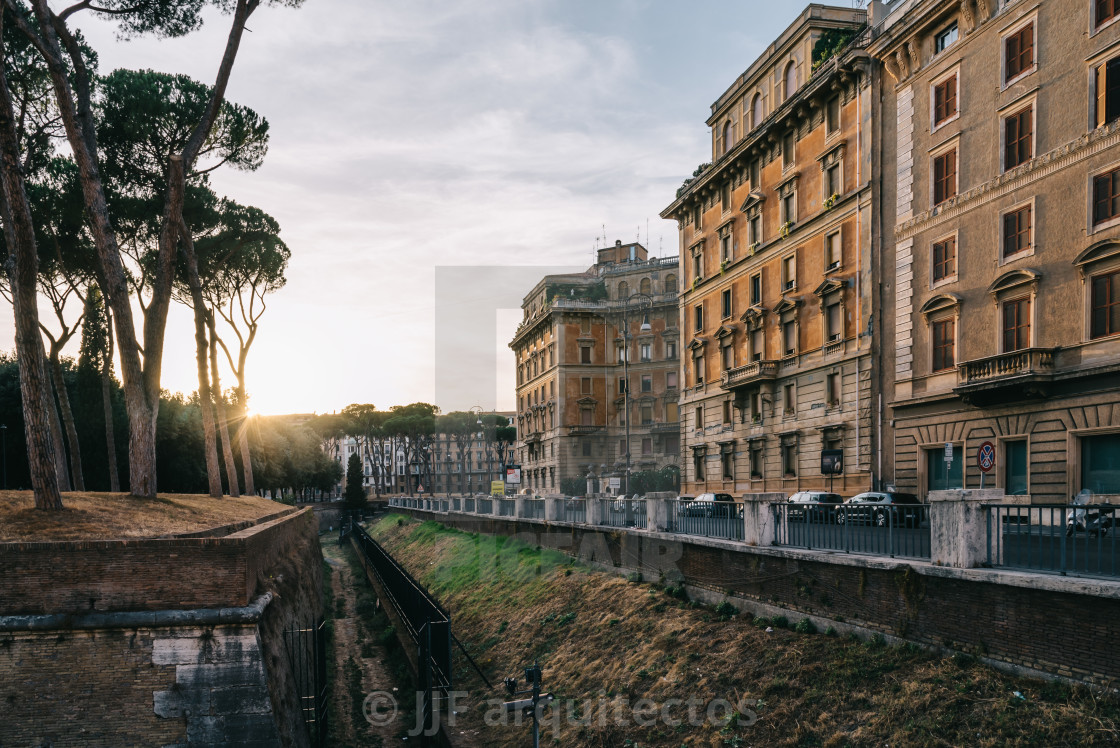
986	457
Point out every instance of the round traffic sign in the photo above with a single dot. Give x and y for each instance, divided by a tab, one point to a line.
986	456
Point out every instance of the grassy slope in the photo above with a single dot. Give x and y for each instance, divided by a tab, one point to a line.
89	516
597	634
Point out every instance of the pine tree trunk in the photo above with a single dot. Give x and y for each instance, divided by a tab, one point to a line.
68	421
22	268
243	436
54	423
110	435
220	407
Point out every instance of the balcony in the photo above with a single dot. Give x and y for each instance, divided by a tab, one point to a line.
665	428
533	438
583	430
1008	376
753	373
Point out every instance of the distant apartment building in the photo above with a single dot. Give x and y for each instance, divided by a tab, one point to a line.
1000	211
571	351
777	297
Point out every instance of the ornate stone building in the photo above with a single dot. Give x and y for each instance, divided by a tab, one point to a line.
570	348
775	240
1000	216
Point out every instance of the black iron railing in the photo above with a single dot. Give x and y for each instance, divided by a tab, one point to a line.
1061	538
887	530
623	513
710	519
307	653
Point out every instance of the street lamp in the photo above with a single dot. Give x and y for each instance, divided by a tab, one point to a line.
634	302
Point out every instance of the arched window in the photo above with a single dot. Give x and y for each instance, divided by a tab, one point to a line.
727	136
645	286
670	283
623	290
756	111
790	80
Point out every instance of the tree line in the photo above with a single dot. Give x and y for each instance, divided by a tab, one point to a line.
411	431
108	218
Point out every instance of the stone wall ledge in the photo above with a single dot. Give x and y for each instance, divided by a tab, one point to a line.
139	619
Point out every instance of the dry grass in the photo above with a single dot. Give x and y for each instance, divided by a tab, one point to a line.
601	637
107	516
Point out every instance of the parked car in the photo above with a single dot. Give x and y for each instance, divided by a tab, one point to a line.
880	508
813	506
708	505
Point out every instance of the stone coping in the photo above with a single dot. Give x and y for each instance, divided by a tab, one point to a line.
250	613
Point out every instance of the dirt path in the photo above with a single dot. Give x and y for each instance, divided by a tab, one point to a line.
350	641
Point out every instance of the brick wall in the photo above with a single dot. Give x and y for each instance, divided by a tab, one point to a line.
1061	633
149	574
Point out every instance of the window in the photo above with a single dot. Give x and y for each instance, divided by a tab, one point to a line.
726	243
725	196
727	464
698	317
1100	463
1106	91
758	345
789	207
726	137
944	259
621	385
943	334
942	476
789	273
700	369
1016	324
756	407
727	411
670	349
832	251
585	386
832	115
699	417
644	351
725	303
789	460
623	290
586	447
944	176
1018	53
945	100
1106	10
647	383
1015	468
1106	197
672	411
1105	305
789	337
788	143
789	400
832	184
756	289
728	356
698	465
756	462
670	283
646	413
670	380
647	446
697	264
585	416
756	112
697	217
672	444
835	322
756	174
1018	133
1017	231
754	229
832	391
790	82
945	38
585	354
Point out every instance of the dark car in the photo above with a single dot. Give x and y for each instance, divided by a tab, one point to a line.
881	509
709	505
818	507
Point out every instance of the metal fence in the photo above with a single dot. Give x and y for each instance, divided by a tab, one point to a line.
573	510
623	512
1062	538
723	519
307	653
484	506
533	509
898	530
507	507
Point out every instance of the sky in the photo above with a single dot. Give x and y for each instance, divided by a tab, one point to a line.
430	160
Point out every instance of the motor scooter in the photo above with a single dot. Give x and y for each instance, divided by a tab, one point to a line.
1094	519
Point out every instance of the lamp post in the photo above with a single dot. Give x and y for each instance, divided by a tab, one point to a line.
633	302
4	448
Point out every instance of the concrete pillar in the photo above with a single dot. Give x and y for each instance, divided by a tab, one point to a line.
519	507
596	511
760	526
552	508
958	526
658	512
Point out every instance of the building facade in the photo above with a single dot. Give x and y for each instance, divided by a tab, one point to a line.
1000	242
571	351
775	243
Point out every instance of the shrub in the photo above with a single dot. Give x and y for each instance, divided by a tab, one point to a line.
805	626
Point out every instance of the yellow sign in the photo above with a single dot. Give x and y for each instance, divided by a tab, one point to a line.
497	488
